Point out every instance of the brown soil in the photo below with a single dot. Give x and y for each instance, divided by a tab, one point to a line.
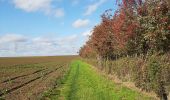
30	83
20	86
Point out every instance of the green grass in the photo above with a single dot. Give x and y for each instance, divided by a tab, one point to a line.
84	83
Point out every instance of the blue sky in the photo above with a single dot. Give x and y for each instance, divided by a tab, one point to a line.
48	27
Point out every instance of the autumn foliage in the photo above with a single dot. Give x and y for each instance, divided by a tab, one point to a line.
138	27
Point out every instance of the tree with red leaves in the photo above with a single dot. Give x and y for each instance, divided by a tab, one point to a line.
87	51
102	38
139	27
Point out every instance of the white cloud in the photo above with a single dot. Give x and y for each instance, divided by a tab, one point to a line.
80	23
59	12
12	38
69	40
93	7
87	33
44	6
32	5
18	45
44	41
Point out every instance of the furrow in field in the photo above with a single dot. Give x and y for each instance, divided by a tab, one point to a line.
9	73
7	91
34	90
16	77
13	83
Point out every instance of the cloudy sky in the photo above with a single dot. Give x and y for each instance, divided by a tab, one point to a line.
48	27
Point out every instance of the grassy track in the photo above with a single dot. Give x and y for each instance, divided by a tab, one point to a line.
83	83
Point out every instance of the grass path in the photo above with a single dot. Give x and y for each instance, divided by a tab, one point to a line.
83	83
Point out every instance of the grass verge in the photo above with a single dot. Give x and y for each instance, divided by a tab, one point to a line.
84	83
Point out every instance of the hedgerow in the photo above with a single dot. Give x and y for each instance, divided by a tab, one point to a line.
134	43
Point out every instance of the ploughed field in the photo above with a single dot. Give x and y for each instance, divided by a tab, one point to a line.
24	78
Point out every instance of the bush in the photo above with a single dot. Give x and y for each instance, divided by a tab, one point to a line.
150	74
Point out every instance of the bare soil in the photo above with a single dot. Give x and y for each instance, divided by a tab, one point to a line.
27	80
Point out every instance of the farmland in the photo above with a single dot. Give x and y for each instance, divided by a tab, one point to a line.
28	77
58	78
84	82
119	50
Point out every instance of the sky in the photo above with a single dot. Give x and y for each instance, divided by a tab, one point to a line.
48	27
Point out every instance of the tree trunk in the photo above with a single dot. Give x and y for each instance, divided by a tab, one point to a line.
110	67
169	95
99	59
163	95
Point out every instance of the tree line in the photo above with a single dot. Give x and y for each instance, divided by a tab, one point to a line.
136	28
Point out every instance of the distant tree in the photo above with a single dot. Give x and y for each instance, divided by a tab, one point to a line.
87	51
